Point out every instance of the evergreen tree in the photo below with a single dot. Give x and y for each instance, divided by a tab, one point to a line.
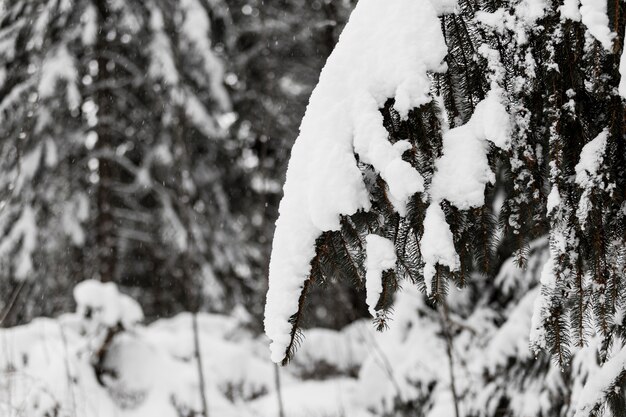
116	158
520	134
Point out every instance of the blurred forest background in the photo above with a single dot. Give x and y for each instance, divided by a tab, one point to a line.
145	143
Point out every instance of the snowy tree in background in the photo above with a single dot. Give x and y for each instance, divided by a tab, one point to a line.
115	159
444	137
275	50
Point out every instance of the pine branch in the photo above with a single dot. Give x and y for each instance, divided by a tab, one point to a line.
296	321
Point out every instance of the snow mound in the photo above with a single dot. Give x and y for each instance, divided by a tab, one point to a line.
103	304
333	351
328	398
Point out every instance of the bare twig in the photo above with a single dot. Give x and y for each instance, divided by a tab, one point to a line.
196	342
445	327
68	372
16	294
279	394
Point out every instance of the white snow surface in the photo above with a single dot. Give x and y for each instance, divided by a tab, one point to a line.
381	256
343	350
588	174
594	17
385	51
554	199
310	398
520	22
46	366
105	305
599	383
89	21
570	10
437	244
463	170
591	158
529	11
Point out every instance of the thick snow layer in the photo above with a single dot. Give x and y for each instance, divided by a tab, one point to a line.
588	173
52	374
591	158
341	351
385	51
597	387
407	361
229	358
570	10
461	174
594	17
312	398
45	369
437	244
381	255
104	305
463	170
554	199
46	366
529	11
89	21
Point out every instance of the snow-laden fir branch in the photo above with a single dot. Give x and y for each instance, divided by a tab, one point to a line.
382	54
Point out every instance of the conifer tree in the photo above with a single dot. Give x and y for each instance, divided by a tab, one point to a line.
116	159
518	134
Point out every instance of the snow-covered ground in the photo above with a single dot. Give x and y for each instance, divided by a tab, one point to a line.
49	366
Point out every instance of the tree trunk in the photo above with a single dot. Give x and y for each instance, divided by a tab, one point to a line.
106	252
